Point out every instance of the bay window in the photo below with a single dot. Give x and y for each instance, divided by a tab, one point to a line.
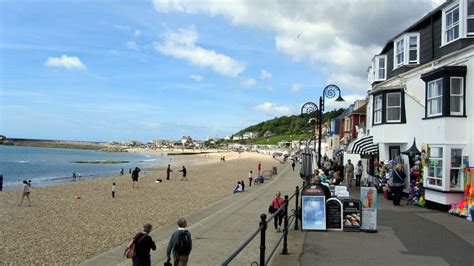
470	17
378	70
406	50
389	107
457	21
444	168
456	171
445	92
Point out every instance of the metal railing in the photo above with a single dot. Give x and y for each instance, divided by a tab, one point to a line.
288	221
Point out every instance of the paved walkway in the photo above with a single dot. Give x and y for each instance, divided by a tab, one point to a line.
220	228
407	235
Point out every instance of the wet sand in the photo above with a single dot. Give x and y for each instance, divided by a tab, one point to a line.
62	228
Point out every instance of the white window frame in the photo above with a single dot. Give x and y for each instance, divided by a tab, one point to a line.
461	95
468	17
378	109
460	168
393	107
428	98
443	168
405	52
375	68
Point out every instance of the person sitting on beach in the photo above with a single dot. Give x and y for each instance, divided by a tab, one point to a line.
135	176
26	193
184	171
243	185
238	188
158	180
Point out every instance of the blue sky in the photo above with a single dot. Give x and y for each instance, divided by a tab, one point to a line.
122	70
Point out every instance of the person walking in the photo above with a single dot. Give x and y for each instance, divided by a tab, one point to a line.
113	190
184	171
135	176
276	203
259	168
293	164
168	171
398	177
180	244
359	172
143	244
250	178
349	173
25	193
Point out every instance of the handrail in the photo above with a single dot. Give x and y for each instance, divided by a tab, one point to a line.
263	260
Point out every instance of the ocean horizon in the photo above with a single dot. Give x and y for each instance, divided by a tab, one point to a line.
48	166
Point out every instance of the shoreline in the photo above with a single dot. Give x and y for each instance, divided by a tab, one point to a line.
61	223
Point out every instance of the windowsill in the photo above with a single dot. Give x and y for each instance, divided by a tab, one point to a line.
444	116
389	123
402	65
443	191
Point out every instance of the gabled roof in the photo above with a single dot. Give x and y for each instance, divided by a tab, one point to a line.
361	110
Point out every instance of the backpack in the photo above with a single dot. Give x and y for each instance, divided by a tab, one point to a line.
183	244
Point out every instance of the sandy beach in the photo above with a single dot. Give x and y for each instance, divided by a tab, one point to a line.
60	228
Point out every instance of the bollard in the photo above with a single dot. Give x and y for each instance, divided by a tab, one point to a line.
285	230
263	229
297	197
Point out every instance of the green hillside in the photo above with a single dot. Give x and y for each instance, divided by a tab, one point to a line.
293	127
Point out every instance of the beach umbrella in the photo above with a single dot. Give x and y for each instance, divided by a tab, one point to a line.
306	170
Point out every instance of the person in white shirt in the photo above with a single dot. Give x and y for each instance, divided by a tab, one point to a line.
26	193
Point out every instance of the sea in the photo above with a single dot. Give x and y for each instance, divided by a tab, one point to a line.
48	166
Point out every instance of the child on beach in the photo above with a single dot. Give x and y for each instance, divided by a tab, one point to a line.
238	188
26	193
113	190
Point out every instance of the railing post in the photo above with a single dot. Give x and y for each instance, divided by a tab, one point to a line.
263	226
297	198
285	228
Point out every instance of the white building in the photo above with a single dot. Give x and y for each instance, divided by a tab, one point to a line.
423	88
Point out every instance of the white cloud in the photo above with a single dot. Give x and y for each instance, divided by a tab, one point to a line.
182	45
273	109
67	62
310	32
132	45
248	82
137	33
295	87
197	78
264	74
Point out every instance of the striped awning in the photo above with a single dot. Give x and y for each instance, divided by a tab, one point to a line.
365	145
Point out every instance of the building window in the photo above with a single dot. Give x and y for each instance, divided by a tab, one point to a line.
456	95
399	52
406	50
456	171
435	166
451	17
394	107
378	109
435	97
470	17
381	68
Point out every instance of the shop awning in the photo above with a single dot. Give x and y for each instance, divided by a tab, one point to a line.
365	145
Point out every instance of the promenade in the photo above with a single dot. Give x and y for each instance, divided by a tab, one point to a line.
407	235
220	228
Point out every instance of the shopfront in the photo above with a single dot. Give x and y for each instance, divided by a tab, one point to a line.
444	178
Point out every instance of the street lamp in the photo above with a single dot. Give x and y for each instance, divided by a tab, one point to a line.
311	108
328	92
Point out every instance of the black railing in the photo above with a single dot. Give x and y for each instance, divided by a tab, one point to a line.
288	220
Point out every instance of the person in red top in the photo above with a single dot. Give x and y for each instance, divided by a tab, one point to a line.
277	202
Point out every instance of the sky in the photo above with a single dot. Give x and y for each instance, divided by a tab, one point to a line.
141	70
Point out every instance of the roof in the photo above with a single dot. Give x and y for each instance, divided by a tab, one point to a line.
417	23
362	110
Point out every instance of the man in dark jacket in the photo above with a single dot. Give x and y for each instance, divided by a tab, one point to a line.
168	171
180	256
143	245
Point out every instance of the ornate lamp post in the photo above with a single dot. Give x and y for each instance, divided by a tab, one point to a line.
328	92
311	108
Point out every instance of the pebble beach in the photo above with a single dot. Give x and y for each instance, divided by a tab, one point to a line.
71	222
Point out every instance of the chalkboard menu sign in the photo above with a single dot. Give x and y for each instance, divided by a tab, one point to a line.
334	214
351	214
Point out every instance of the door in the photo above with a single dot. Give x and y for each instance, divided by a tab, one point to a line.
394	153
